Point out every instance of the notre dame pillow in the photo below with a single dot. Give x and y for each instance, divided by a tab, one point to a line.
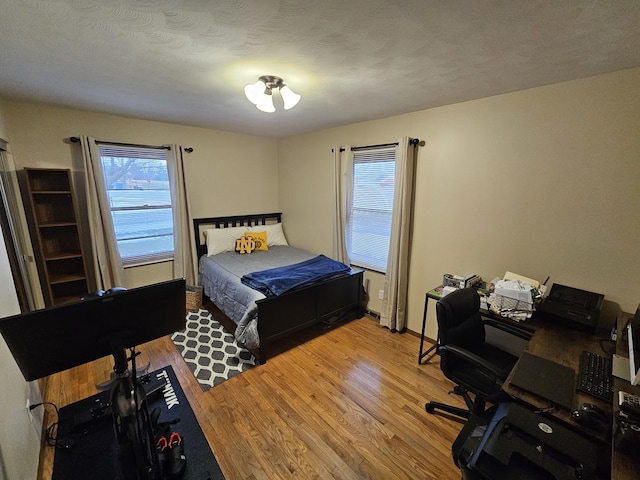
245	244
260	238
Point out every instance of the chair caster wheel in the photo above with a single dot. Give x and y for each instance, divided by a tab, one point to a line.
457	390
429	408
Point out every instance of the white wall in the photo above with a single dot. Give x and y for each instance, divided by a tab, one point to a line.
543	182
19	441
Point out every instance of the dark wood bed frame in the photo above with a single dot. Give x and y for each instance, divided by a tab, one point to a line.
338	298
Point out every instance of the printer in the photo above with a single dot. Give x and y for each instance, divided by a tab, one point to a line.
577	308
511	442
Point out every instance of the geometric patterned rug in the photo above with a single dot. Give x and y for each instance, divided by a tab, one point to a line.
210	351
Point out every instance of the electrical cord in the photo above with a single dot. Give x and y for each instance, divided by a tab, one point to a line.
51	432
611	348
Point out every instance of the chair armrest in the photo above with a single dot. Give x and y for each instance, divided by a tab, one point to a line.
470	357
508	328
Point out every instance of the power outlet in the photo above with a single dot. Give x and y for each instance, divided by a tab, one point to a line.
31	417
36	415
381	294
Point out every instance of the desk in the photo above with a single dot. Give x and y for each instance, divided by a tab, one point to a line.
564	345
622	467
436	294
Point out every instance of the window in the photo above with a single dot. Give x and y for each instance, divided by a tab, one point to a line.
369	221
137	184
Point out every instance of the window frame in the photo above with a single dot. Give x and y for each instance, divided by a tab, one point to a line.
383	154
138	153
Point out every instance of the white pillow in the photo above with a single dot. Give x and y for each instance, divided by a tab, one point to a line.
275	235
222	239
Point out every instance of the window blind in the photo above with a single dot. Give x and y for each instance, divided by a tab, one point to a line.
137	186
369	221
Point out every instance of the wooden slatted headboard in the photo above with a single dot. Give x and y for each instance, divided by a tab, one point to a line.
201	224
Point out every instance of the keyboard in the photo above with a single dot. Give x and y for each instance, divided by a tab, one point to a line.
595	376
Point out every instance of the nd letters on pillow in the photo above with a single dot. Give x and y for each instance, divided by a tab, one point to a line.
245	245
260	239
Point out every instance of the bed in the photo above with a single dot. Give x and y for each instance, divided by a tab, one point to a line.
260	319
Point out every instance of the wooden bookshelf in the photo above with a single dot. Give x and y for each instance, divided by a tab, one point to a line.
59	249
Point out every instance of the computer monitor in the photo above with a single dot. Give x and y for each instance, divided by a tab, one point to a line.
50	340
633	337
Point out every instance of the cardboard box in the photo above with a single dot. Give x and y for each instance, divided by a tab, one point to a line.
455	281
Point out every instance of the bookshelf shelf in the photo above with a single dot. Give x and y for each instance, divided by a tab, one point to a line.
59	251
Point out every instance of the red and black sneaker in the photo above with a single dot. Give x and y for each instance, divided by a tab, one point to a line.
162	447
176	462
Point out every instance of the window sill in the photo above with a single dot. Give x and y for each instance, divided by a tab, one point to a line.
368	269
149	262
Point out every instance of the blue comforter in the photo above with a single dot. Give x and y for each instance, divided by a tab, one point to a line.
279	280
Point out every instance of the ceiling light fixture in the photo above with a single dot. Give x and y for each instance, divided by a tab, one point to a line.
260	95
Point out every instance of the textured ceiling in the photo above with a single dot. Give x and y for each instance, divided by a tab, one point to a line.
187	62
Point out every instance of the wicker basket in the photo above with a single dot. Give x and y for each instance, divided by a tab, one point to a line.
500	302
194	298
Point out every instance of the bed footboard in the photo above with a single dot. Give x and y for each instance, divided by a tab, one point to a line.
299	309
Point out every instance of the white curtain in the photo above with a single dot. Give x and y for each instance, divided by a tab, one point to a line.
343	172
106	259
184	259
394	305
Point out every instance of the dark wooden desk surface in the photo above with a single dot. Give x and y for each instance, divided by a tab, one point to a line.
564	346
622	467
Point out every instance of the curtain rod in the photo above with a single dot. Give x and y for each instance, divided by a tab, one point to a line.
412	141
156	147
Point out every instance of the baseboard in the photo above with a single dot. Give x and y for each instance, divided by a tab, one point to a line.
416	334
376	316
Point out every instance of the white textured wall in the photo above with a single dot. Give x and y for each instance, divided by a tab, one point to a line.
542	182
19	441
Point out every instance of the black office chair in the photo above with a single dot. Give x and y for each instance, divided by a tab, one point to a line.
465	358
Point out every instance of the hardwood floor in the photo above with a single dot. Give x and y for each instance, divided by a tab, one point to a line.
346	404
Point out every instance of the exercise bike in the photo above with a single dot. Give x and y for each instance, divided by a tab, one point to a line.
132	423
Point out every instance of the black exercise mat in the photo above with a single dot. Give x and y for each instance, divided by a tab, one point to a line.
92	450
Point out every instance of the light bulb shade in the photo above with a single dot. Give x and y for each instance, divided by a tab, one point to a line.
255	92
289	97
266	104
